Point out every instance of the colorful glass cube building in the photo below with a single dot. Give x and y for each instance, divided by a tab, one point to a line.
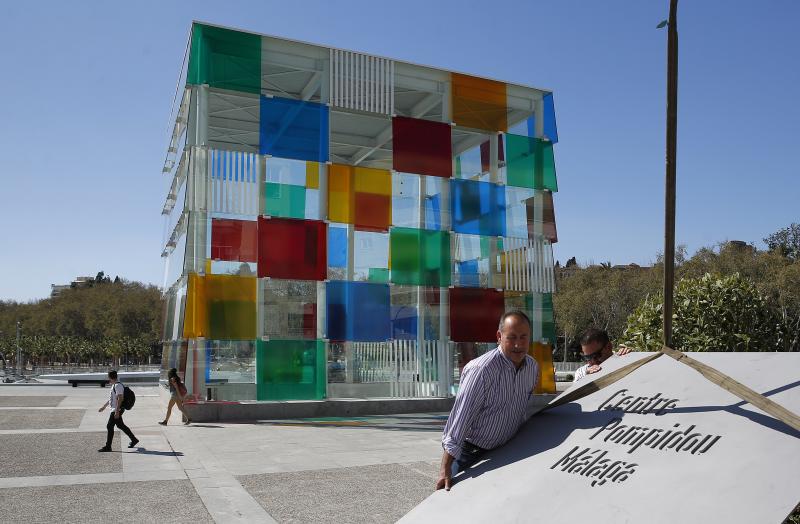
343	225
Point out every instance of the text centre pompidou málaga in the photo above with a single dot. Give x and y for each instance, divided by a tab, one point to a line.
344	225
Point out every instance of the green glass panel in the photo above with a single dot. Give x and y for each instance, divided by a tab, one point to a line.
290	369
420	257
378	274
225	59
530	163
231	319
285	200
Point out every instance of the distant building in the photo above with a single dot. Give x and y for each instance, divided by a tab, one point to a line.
57	289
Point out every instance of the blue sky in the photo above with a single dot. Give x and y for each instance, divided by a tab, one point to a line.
87	90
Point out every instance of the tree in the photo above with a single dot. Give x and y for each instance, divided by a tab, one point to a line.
786	241
712	313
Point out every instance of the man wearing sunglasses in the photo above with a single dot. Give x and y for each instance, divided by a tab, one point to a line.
596	349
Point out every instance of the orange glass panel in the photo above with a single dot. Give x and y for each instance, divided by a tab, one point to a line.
479	103
543	354
360	196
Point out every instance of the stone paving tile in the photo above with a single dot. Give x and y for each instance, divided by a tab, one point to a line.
35	454
40	418
30	401
375	493
134	502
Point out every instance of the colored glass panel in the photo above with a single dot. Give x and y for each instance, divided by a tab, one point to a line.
234	240
288	309
479	208
358	311
220	306
360	196
290	369
284	200
542	217
479	103
474	314
379	275
420	257
293	129
530	163
550	128
337	246
421	147
292	249
225	59
312	175
543	354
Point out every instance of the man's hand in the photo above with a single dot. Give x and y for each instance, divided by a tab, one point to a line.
593	369
444	481
102	408
116	415
623	350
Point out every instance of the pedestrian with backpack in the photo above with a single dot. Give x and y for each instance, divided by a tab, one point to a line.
177	394
118	402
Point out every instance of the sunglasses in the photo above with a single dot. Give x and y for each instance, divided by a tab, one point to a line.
592	356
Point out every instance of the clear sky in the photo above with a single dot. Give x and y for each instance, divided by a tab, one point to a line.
87	88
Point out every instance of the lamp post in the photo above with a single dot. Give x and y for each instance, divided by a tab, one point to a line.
19	349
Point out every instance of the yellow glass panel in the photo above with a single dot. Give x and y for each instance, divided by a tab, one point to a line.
479	103
375	181
341	197
312	175
543	353
196	317
231	287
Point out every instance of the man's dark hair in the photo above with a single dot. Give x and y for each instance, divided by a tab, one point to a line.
592	335
112	373
514	313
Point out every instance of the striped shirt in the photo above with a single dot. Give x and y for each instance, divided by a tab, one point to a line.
491	402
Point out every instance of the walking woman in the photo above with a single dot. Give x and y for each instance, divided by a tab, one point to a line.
177	392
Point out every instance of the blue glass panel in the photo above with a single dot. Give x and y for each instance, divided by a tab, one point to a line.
358	311
337	246
468	274
433	212
550	129
293	129
479	208
404	322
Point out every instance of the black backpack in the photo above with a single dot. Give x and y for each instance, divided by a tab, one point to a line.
128	398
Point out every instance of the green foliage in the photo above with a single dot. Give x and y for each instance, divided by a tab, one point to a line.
712	313
786	241
97	323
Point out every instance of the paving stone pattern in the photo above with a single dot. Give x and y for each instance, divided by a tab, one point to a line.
40	418
169	501
35	454
375	493
12	401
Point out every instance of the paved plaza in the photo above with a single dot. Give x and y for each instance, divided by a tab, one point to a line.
363	469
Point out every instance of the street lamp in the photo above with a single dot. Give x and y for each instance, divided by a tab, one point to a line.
19	349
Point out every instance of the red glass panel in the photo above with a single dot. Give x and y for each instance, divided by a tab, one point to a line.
292	249
474	314
234	240
373	212
421	147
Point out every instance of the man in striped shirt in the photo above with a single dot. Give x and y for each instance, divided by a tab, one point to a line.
492	398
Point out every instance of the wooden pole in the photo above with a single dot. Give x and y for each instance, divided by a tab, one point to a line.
669	207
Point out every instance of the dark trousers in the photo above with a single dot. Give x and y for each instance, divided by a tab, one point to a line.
120	424
470	454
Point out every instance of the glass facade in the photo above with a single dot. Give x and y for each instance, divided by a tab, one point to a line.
345	225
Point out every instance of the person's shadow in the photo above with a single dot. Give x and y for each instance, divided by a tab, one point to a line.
145	451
